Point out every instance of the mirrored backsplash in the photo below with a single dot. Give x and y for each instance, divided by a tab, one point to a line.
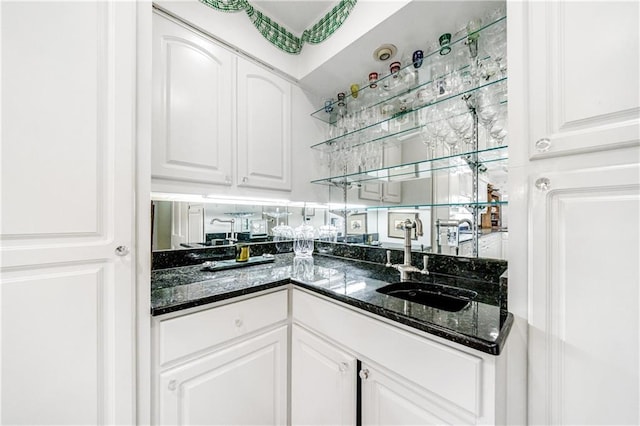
192	225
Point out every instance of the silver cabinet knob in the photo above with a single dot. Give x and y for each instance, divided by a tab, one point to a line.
543	184
173	385
343	367
238	322
543	145
245	179
122	250
364	374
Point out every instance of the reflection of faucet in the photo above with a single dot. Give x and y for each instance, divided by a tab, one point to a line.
406	267
452	236
232	235
468	222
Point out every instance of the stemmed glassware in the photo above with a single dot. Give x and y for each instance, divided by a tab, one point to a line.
460	120
427	96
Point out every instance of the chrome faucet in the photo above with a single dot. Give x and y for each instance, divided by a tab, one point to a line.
406	267
232	235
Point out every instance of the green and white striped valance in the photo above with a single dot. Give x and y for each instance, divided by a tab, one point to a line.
280	36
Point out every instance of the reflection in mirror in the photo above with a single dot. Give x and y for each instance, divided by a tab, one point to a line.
440	196
187	224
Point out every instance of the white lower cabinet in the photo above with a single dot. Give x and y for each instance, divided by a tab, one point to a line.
388	399
227	365
405	378
323	381
244	384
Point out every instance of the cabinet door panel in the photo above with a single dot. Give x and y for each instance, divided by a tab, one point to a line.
245	384
264	128
583	96
192	128
68	123
584	340
323	382
389	400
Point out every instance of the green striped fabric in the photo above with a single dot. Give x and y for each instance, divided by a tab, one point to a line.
280	36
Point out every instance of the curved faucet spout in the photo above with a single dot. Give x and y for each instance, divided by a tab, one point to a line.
419	229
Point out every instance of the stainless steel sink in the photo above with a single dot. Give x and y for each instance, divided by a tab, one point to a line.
437	296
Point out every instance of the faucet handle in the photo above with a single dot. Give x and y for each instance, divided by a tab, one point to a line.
425	262
388	258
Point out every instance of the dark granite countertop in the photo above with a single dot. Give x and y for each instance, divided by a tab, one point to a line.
482	325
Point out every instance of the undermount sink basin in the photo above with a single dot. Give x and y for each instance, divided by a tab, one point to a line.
436	296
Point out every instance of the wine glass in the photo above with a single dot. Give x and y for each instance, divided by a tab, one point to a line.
429	140
498	131
459	119
451	139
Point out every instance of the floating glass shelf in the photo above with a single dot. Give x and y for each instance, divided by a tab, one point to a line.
321	114
487	160
403	132
468	205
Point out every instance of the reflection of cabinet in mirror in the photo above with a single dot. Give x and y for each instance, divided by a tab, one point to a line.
390	192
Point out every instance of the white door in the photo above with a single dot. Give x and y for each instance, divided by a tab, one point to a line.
388	399
323	382
264	128
585	319
574	207
192	107
67	301
244	384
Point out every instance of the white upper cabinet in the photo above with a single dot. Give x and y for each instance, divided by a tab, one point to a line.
192	106
220	122
264	128
583	84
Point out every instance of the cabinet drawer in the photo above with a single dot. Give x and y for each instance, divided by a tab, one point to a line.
181	336
447	372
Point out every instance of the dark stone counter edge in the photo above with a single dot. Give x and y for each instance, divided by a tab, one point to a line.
492	348
218	297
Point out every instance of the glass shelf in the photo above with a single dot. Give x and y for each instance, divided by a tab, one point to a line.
322	115
329	144
468	205
487	160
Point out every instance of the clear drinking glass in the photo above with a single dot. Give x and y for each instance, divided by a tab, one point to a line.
303	241
283	238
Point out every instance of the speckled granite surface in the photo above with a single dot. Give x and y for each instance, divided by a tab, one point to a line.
482	325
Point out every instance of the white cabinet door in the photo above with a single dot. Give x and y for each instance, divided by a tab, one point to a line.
388	399
583	95
584	338
323	382
68	123
264	128
192	106
244	384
